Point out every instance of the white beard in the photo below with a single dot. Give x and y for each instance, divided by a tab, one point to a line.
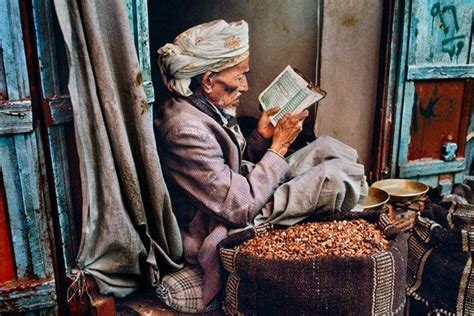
230	110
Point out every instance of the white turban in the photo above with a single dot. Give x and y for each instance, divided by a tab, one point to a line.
211	46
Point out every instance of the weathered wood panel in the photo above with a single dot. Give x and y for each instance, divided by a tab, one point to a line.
14	61
28	217
57	110
466	147
436	43
3	80
470	145
60	109
398	68
138	17
57	105
43	11
459	177
436	117
26	295
36	212
23	162
405	122
428	167
440	72
22	169
14	197
52	311
431	180
59	159
440	32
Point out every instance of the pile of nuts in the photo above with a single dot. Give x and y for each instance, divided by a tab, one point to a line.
338	238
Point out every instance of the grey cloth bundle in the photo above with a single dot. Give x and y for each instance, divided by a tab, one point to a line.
325	178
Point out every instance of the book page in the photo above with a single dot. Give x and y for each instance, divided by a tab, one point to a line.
290	92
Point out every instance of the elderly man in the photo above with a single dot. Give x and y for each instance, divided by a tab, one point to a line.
204	154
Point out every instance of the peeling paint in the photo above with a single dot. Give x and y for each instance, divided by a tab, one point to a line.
26	294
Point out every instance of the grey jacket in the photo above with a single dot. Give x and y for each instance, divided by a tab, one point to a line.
202	166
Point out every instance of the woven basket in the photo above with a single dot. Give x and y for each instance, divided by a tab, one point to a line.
440	269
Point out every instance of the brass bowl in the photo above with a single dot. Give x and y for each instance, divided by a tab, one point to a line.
376	199
402	190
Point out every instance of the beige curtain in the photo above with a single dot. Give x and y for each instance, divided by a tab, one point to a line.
129	230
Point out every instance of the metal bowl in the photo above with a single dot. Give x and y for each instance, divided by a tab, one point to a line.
376	199
402	190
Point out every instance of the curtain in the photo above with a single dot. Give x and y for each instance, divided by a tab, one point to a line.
129	233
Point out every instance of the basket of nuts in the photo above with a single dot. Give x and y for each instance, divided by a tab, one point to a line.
342	264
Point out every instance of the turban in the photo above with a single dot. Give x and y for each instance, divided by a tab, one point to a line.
211	46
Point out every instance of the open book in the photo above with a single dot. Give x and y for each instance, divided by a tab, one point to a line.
291	92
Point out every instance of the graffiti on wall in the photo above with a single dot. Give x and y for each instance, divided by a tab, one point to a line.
436	116
446	18
431	108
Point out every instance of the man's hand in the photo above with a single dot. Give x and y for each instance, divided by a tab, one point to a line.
286	131
265	126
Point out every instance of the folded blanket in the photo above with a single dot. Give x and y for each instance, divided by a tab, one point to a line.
326	178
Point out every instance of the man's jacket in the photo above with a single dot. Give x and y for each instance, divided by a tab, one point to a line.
202	166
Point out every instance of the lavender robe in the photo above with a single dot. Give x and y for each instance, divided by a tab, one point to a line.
202	163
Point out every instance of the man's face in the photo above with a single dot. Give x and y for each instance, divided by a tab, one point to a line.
228	85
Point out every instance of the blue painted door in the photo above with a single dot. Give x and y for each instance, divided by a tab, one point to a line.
39	168
433	99
22	177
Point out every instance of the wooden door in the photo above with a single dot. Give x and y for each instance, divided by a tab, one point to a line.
428	96
28	281
39	171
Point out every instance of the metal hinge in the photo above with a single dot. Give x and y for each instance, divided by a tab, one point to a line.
20	114
15	117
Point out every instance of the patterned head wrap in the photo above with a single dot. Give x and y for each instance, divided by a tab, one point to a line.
211	46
